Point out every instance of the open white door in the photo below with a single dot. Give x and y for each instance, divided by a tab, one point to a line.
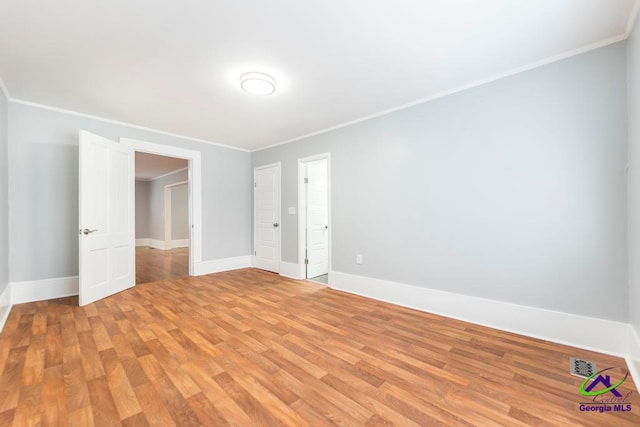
317	219
107	221
267	218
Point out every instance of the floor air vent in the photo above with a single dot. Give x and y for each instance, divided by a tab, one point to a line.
581	368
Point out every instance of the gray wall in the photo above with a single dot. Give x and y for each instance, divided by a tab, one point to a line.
43	191
142	209
180	212
633	73
4	200
513	191
156	202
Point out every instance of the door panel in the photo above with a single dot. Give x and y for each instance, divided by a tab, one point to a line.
317	218
267	217
107	252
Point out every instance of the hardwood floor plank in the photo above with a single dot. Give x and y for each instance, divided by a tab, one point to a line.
249	347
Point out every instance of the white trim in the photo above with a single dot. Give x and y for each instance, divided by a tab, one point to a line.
195	190
448	92
179	243
290	270
633	357
632	18
168	238
157	244
39	290
117	122
161	244
167	216
220	265
255	214
589	333
302	216
5	305
162	176
4	90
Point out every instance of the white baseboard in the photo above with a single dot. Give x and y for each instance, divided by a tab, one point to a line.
579	331
157	244
290	270
39	290
180	243
161	244
5	306
633	358
219	265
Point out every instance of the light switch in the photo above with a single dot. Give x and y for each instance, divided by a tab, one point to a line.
292	211
359	259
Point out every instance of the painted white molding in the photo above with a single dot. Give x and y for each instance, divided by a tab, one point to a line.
163	175
180	243
220	265
157	244
633	358
290	270
589	333
462	88
302	210
161	244
39	290
117	122
194	189
5	306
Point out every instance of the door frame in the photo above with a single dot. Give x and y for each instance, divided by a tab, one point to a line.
194	173
168	238
255	212
302	212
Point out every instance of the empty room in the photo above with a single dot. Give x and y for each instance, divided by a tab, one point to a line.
409	213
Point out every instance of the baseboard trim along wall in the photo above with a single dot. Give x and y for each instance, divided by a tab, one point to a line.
39	290
290	270
161	244
220	265
589	333
5	305
633	358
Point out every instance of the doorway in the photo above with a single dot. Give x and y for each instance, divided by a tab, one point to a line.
162	218
266	200
314	217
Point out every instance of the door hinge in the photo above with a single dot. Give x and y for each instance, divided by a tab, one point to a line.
255	253
255	184
306	180
306	261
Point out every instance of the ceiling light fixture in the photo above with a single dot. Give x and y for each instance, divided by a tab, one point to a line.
257	83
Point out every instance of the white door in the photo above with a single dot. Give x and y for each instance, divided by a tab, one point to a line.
317	219
107	233
267	218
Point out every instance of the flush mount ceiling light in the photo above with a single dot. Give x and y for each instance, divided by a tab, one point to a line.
257	83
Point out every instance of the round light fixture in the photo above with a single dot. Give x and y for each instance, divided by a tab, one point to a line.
257	83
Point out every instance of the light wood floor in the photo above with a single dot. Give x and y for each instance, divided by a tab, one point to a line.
251	348
153	265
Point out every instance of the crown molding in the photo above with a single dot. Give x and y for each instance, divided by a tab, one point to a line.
631	22
462	88
117	122
161	176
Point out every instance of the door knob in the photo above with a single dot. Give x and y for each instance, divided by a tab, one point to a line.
275	224
87	231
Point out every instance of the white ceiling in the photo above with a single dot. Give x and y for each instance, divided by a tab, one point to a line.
149	166
175	66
